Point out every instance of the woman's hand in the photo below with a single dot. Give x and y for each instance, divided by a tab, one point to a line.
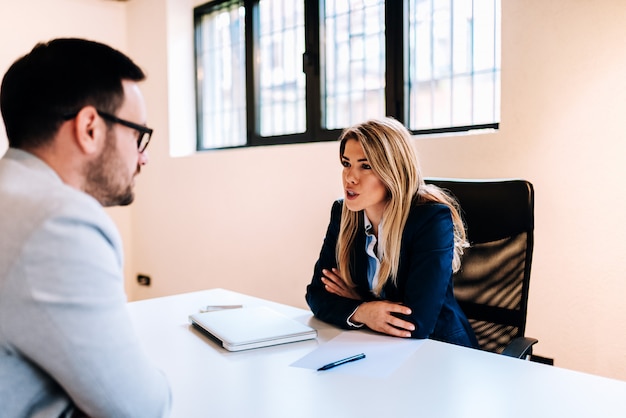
334	284
378	316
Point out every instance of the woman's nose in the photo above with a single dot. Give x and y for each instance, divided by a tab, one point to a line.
351	176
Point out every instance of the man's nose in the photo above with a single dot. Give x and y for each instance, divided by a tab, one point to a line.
144	158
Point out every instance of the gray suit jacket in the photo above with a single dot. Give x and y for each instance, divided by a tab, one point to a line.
66	338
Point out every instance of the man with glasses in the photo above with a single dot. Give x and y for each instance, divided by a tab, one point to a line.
75	121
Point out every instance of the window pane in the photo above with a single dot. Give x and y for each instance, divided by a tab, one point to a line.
453	63
462	101
353	69
486	88
221	78
282	93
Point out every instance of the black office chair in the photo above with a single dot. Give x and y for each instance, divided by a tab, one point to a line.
492	284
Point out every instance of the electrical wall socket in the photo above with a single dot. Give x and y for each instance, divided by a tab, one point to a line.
143	279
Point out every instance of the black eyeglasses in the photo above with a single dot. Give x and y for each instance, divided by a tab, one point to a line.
145	133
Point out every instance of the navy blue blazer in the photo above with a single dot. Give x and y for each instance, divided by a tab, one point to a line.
424	281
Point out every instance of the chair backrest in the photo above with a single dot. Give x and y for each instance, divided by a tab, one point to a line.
492	284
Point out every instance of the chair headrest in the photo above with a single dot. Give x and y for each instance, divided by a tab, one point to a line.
492	209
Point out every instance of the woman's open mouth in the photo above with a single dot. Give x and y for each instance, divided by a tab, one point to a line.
350	195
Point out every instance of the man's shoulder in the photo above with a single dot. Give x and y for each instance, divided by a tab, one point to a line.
31	197
28	185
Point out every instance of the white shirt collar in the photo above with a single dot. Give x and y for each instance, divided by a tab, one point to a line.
368	225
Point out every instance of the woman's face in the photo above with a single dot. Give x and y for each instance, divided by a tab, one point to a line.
362	187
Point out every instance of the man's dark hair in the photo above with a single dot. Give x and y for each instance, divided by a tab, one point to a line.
57	79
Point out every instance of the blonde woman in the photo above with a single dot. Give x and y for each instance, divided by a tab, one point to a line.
392	244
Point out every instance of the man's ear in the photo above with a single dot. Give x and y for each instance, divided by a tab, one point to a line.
89	130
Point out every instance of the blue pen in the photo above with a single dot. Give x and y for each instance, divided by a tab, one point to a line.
342	361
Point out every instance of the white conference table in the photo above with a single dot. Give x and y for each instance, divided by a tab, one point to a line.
438	380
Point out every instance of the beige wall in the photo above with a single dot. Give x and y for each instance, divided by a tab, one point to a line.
252	220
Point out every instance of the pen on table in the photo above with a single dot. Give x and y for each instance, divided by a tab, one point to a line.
211	308
342	361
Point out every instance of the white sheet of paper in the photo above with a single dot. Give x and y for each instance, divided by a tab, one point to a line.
383	354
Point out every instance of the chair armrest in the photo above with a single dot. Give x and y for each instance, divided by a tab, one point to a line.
520	347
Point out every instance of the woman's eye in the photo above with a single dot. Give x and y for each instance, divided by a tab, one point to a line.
366	167
345	164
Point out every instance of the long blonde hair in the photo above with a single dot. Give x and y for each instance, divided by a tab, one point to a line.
388	149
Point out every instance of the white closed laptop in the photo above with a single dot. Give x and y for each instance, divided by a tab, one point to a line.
253	327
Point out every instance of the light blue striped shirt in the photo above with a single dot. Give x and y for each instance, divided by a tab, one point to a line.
373	251
373	258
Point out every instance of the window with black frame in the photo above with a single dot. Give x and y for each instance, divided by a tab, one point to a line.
288	71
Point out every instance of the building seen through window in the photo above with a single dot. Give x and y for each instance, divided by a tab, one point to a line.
289	71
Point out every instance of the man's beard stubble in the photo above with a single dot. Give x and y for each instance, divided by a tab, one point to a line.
104	180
